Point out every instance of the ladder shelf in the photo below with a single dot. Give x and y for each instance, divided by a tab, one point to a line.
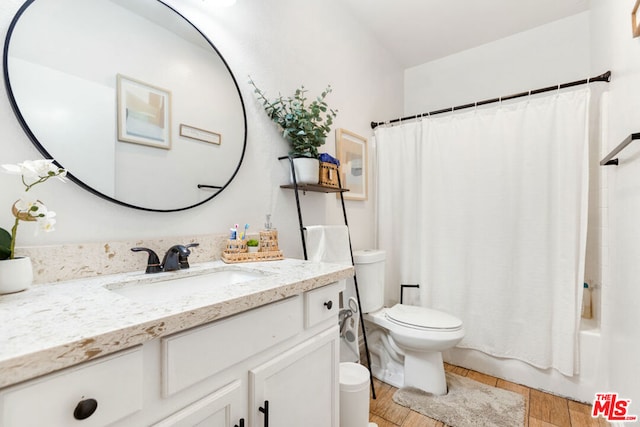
316	188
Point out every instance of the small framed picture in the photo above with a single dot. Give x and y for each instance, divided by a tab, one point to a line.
351	150
200	134
144	113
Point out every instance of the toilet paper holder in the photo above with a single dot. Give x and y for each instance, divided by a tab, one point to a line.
403	286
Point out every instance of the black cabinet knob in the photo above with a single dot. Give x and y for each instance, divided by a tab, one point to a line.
328	304
85	409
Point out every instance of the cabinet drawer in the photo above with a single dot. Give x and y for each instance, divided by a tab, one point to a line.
114	382
196	354
322	303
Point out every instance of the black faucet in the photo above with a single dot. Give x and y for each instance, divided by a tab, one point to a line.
176	258
153	262
171	261
182	259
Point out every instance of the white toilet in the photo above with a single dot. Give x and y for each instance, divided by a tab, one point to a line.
405	342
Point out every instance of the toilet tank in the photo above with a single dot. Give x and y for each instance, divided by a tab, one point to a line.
369	266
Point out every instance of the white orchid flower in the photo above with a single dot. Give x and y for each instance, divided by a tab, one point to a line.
33	172
36	171
12	169
42	168
47	222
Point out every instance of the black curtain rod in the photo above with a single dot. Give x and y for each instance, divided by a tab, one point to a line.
606	77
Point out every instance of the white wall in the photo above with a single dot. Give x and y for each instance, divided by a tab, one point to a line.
281	45
554	53
614	48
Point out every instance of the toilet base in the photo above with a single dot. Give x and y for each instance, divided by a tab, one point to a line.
425	371
422	370
386	364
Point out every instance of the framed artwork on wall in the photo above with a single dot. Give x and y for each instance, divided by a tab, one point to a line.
200	134
351	150
144	113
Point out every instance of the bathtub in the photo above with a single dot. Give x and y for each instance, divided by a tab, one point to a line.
581	387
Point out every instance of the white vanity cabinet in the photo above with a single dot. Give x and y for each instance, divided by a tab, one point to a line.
281	357
92	394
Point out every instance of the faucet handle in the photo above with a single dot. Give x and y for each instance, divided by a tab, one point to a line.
183	259
153	262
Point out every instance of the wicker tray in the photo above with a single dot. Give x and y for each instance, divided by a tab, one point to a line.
231	258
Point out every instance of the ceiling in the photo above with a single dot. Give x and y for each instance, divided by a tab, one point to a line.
419	31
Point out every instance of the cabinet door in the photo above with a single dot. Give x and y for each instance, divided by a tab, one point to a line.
223	408
299	387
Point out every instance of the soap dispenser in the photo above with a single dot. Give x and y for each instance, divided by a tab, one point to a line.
268	237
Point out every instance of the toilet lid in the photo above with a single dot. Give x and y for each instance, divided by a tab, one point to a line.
421	317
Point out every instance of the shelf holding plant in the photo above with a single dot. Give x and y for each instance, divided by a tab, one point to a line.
304	124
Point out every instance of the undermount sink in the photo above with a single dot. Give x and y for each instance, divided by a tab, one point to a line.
153	288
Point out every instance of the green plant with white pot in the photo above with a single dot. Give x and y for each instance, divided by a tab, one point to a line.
15	272
253	245
304	124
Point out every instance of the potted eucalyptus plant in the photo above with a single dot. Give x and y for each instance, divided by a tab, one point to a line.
304	124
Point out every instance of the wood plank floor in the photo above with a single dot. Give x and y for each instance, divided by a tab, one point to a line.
542	409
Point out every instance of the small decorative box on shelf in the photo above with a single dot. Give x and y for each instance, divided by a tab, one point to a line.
328	175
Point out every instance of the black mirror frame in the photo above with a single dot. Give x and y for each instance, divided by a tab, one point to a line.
45	153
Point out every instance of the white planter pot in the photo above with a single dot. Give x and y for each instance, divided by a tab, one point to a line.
253	249
307	170
15	275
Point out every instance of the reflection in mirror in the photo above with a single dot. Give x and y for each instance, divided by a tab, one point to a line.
181	134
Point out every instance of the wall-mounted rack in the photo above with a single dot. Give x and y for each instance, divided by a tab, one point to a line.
609	159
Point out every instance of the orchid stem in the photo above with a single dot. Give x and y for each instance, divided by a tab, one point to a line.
14	232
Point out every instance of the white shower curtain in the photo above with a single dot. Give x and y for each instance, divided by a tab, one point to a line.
487	210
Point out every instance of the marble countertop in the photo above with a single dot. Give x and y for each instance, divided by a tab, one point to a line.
53	326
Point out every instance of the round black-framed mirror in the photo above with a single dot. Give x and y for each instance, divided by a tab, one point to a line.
145	113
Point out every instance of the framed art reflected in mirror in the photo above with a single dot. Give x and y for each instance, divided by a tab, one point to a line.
144	113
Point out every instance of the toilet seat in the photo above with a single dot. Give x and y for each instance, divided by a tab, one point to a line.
422	318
